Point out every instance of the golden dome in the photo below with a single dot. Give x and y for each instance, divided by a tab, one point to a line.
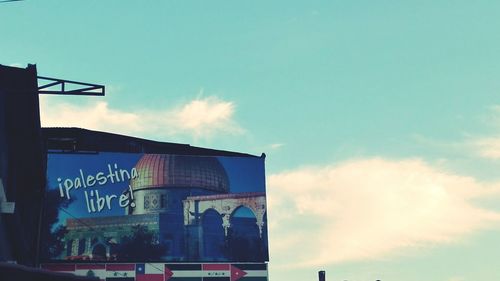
180	171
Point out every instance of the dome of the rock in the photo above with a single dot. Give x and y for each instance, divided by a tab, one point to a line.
163	171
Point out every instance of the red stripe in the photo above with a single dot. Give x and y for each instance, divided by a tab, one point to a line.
90	266
122	267
216	266
59	267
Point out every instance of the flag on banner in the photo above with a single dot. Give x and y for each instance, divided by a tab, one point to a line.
68	268
183	272
216	270
91	270
114	271
222	272
252	271
149	272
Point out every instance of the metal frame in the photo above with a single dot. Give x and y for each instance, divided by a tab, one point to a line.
86	89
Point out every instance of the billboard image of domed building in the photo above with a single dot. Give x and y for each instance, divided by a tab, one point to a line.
134	207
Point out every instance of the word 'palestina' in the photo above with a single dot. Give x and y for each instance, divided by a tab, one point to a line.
113	175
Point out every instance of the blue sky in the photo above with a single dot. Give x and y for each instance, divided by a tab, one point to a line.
380	119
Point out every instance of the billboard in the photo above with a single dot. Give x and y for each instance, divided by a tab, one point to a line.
134	207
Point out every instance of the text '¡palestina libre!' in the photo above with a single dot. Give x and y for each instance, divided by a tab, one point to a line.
95	202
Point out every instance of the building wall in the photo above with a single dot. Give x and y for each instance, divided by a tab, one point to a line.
22	162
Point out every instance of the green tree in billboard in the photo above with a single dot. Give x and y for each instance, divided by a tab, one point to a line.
142	245
53	240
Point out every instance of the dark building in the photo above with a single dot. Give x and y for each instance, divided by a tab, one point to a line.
22	160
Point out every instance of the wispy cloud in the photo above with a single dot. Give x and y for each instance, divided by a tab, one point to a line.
276	145
487	147
198	118
370	209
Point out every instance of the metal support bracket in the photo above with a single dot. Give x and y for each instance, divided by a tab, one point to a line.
54	86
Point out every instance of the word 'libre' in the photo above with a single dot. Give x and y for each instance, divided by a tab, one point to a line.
96	203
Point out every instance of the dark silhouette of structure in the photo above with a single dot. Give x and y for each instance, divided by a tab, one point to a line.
322	275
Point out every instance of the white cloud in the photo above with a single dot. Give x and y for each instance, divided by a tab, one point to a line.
487	147
199	118
203	118
370	209
96	116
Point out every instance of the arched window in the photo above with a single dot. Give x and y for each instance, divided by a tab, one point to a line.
244	239
213	235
